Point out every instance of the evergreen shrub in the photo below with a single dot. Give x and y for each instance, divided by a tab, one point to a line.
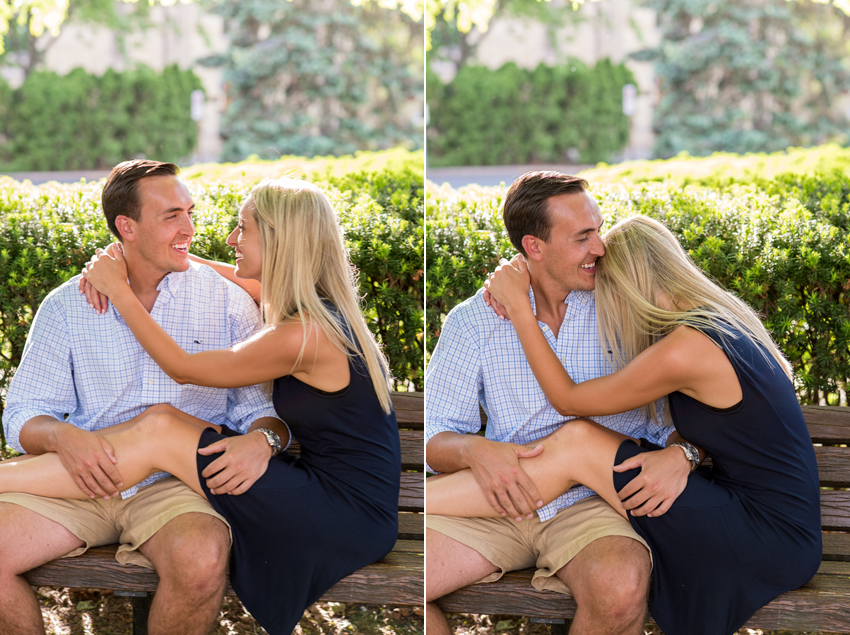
81	121
47	233
562	114
783	247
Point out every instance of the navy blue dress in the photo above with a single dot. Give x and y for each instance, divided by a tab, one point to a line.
749	529
310	521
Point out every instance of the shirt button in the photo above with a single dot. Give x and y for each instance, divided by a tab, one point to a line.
150	381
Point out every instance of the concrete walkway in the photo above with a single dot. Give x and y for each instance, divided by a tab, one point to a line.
37	178
491	175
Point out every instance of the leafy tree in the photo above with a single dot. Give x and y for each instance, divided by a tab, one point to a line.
451	43
36	16
753	75
478	13
313	77
27	42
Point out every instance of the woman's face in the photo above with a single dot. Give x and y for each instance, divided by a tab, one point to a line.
245	239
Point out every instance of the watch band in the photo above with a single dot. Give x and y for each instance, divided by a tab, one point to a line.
273	439
690	451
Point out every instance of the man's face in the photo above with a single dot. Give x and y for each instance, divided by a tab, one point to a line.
164	229
570	254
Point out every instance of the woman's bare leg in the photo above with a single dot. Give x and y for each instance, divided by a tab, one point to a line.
579	452
161	440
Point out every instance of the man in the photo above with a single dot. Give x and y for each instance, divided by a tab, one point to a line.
91	368
578	543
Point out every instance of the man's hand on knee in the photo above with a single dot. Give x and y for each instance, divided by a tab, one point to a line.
90	459
507	487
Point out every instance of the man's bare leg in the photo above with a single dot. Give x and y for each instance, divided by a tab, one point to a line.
449	566
609	580
30	541
190	555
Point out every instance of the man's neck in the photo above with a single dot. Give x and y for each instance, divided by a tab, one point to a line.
143	281
549	302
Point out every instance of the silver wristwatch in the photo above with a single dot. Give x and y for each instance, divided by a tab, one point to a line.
690	452
272	438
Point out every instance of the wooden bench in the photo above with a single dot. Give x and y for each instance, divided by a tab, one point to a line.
397	579
822	605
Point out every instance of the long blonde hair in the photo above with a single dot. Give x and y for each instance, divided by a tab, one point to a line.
305	263
642	262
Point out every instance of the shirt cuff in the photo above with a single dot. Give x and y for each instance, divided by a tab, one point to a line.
15	421
289	442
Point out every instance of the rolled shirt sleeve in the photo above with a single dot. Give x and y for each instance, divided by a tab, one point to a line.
44	381
453	382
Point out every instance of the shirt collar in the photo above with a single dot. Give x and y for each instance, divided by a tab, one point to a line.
169	286
577	301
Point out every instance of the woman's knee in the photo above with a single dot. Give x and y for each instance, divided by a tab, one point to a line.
156	422
572	434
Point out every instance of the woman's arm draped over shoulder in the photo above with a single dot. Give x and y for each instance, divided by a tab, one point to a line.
267	355
658	371
228	272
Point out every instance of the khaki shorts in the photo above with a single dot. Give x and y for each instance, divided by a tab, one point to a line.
549	545
130	522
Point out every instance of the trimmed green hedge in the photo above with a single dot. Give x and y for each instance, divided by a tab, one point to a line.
80	121
48	233
570	113
722	169
784	248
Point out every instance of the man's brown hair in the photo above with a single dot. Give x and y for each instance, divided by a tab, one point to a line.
525	211
121	193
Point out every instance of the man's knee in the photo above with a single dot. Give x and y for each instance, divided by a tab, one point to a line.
36	540
451	565
613	579
193	556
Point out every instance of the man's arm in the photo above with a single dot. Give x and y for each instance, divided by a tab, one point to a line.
42	392
454	380
245	458
495	466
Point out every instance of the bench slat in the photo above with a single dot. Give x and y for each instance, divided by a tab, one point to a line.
412	449
411	526
835	510
828	424
411	497
820	605
836	546
396	579
833	466
409	409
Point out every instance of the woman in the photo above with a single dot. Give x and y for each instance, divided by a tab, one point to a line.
305	523
737	536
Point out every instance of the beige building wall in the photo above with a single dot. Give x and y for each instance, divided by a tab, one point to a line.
599	29
180	34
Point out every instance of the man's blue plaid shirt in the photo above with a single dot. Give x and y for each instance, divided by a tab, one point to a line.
479	359
91	367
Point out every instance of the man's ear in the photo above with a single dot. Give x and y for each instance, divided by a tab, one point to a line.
126	226
531	244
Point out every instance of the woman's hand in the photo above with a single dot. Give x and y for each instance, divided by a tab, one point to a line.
103	275
509	285
245	459
663	477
